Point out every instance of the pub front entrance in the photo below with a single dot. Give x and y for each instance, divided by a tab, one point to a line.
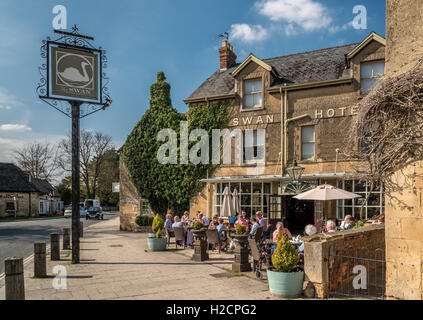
298	214
295	214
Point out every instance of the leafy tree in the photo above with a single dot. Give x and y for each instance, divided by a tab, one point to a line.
108	174
65	190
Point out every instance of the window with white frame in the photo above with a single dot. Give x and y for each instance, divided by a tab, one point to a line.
374	207
253	97
254	196
145	208
254	146
307	143
371	73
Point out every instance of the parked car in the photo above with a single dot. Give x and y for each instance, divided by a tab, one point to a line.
94	213
88	203
68	212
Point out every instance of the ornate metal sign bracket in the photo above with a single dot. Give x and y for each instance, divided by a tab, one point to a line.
73	40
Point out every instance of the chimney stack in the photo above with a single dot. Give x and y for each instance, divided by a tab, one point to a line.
227	56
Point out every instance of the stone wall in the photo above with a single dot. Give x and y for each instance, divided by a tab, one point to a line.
404	225
324	272
129	201
27	203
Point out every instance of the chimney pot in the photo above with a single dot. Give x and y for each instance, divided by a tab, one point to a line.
227	56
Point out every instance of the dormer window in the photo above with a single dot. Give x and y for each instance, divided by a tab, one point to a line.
371	74
253	94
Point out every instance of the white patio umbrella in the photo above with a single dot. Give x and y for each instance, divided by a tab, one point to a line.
327	193
236	203
227	205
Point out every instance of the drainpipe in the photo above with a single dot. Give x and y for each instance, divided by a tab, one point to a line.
287	121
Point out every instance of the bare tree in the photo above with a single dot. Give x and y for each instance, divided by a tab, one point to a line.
39	160
94	146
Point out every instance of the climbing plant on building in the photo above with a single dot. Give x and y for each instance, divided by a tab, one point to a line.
168	185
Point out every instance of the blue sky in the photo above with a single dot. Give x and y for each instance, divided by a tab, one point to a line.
144	37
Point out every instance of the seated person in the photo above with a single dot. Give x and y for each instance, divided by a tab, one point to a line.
330	226
309	231
185	217
212	226
348	223
216	220
221	230
178	223
241	220
280	228
168	224
255	226
262	222
233	219
204	220
380	219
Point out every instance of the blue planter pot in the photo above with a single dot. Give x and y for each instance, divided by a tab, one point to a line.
157	244
285	285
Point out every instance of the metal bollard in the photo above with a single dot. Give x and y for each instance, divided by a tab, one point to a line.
54	246
81	229
40	260
66	239
14	278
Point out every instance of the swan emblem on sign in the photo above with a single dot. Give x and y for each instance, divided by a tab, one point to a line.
73	74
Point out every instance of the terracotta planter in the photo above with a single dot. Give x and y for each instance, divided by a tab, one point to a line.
285	285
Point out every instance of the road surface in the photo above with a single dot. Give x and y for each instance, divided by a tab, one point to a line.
17	238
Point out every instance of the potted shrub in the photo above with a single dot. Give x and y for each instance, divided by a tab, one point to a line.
285	280
157	242
241	235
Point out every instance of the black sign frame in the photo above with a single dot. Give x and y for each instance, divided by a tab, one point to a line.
73	41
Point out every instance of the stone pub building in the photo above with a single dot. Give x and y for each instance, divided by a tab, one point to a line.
304	103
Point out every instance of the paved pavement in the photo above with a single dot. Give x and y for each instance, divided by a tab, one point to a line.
17	237
118	265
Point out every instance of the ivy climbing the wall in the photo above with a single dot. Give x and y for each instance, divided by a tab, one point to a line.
169	185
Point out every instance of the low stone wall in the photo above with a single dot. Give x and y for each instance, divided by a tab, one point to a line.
319	252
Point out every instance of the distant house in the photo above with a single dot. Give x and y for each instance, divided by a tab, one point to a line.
27	195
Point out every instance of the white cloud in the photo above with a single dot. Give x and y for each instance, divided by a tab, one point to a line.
310	15
14	127
335	29
8	100
247	33
290	30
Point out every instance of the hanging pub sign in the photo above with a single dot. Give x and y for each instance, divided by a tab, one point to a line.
74	73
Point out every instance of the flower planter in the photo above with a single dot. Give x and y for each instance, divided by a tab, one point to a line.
285	285
157	244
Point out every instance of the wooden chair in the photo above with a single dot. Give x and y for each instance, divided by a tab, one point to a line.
179	236
169	234
213	238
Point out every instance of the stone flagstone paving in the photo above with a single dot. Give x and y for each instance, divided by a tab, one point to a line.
118	265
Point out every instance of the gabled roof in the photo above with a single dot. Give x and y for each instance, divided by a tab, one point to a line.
43	186
301	68
373	36
12	179
252	58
